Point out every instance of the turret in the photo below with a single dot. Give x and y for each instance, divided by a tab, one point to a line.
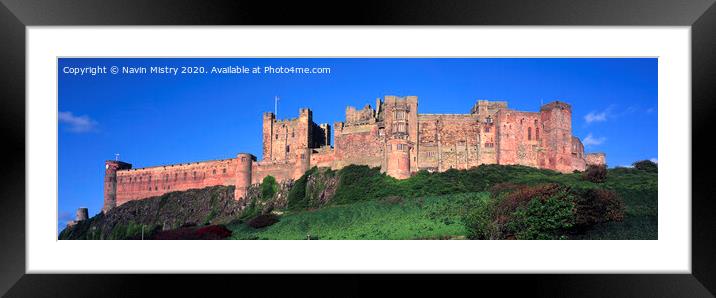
244	162
557	121
110	182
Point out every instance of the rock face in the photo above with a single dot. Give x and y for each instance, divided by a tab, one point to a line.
211	205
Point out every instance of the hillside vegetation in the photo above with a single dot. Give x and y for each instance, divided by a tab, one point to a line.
358	202
543	204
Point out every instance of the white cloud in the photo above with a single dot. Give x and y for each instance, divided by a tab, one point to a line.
595	117
590	140
654	160
78	124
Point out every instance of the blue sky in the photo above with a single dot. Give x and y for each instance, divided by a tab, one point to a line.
153	119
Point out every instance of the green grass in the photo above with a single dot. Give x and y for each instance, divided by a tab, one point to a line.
436	217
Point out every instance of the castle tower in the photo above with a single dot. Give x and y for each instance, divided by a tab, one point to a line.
110	182
244	162
398	163
557	121
82	214
401	125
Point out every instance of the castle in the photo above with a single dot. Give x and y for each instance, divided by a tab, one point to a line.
392	136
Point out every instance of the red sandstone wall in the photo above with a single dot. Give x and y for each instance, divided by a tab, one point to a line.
448	141
281	170
518	138
154	181
358	144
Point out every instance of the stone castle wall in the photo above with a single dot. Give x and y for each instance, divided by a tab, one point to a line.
392	136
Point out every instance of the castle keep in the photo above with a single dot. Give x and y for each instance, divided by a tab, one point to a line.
392	136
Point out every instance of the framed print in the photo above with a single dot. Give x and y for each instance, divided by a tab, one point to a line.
566	144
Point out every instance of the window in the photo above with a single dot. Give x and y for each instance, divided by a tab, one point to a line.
400	115
487	129
224	170
529	133
213	172
288	148
277	136
537	132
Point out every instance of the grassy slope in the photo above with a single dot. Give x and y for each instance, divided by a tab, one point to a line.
434	203
390	218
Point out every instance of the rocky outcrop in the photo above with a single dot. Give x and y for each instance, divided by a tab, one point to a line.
211	205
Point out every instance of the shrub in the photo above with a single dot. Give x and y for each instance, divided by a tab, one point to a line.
595	173
269	187
262	221
646	165
597	206
215	232
541	211
543	219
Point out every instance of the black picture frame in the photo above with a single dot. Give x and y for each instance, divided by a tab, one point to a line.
16	15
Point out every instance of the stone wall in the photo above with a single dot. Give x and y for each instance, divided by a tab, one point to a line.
519	140
140	183
447	141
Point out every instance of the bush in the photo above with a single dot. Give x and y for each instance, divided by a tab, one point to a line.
269	187
543	219
541	211
595	173
597	206
646	165
262	221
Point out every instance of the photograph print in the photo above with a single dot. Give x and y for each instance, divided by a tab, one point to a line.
252	148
